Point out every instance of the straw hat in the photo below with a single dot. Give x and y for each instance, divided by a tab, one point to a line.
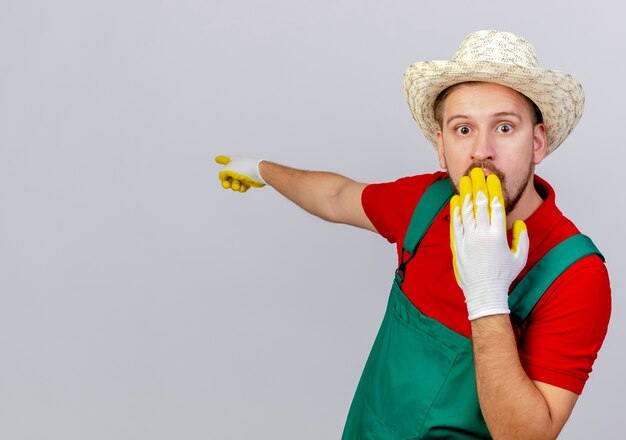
503	58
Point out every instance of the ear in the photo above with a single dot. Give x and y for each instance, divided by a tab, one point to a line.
540	143
442	157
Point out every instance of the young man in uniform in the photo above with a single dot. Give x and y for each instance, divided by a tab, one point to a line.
482	338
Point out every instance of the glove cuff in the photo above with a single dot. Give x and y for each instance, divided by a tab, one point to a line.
489	312
487	298
258	172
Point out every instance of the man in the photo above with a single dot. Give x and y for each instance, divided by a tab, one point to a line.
479	340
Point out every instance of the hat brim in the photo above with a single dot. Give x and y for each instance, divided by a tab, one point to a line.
558	95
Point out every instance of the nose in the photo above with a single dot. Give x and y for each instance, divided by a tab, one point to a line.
483	148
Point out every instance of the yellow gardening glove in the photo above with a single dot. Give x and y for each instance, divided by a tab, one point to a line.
484	265
240	173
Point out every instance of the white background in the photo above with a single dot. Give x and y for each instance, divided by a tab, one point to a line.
139	300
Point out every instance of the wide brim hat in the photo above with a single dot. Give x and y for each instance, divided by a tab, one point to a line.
502	58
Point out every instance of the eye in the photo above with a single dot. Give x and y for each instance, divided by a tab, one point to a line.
463	130
505	128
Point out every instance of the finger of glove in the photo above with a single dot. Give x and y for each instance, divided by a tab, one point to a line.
467	214
226	175
458	227
455	215
498	217
253	183
495	190
481	211
243	188
479	184
455	202
465	188
230	180
520	242
233	176
226	183
222	160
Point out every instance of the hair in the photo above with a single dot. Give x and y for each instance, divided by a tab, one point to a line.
535	113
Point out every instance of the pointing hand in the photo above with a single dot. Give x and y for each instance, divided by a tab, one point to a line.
240	173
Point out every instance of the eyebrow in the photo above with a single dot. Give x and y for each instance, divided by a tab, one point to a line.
453	117
499	114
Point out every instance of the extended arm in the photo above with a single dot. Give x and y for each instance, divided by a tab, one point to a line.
330	196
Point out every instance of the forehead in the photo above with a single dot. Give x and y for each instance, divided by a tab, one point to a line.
481	97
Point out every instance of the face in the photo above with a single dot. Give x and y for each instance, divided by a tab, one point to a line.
491	126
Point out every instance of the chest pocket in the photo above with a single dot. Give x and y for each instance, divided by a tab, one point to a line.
416	363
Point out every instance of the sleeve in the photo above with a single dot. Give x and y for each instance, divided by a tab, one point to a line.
567	327
389	206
